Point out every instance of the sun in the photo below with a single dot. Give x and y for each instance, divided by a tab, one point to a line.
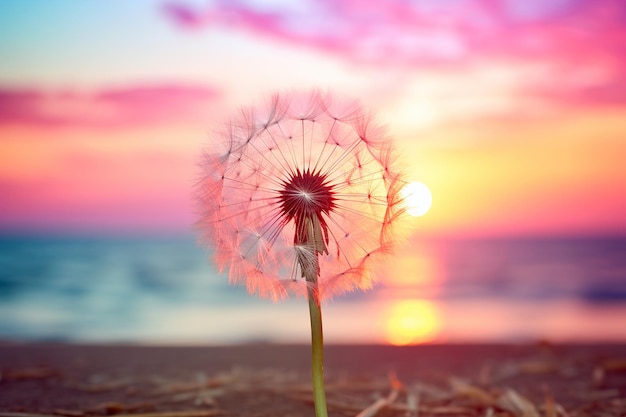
417	198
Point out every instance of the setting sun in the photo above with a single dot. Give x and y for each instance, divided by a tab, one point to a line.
411	322
417	198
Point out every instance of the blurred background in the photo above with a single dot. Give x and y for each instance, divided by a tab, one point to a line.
512	113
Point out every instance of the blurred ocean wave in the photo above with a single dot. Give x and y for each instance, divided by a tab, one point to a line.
535	269
164	290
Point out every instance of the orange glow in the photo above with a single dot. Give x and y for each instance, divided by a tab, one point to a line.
413	270
411	322
486	185
415	273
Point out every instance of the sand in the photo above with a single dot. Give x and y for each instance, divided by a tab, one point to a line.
273	380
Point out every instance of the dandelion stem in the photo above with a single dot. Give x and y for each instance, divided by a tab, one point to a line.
317	350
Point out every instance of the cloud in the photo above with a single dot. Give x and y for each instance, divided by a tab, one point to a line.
577	39
414	32
118	107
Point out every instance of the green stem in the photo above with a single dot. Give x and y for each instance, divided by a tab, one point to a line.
317	351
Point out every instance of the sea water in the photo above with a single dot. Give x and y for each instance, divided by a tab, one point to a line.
165	290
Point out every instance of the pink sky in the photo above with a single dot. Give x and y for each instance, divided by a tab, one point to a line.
512	112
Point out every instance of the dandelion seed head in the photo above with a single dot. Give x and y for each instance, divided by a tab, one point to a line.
303	188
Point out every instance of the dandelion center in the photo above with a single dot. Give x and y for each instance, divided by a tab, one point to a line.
306	195
304	198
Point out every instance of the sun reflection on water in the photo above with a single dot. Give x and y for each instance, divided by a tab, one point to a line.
411	322
411	315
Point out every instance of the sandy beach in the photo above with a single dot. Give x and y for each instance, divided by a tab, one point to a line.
273	380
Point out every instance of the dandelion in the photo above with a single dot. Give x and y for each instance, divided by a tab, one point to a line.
300	197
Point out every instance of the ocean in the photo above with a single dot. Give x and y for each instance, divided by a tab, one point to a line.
164	290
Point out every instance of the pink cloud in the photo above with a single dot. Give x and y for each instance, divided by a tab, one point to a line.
409	32
568	36
121	107
144	191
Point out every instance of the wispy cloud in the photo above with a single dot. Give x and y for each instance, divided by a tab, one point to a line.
111	108
579	43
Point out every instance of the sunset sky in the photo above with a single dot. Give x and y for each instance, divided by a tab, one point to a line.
513	112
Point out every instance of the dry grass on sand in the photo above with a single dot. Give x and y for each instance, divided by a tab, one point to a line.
266	380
